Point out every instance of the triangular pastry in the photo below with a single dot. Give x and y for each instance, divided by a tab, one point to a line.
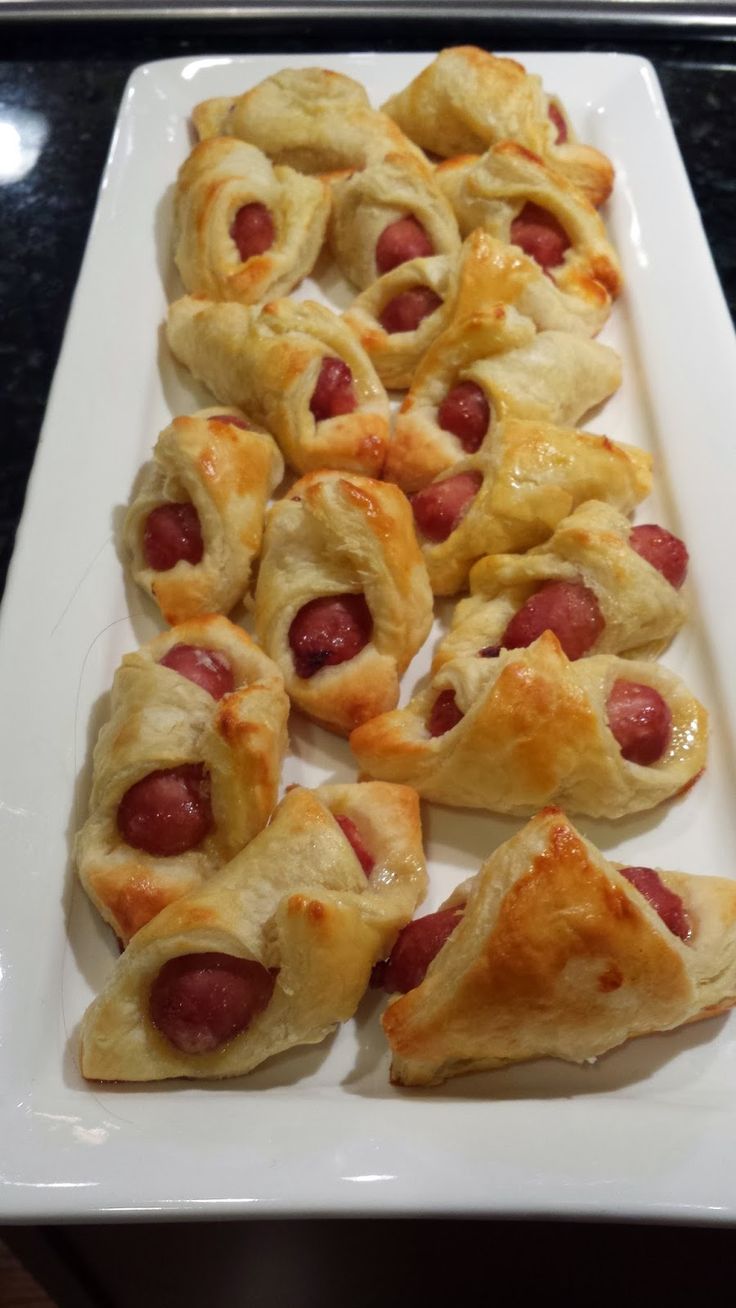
274	951
185	771
603	736
557	952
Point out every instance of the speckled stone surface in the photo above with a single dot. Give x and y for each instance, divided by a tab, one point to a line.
73	78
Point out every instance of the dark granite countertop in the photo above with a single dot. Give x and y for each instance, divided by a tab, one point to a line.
69	78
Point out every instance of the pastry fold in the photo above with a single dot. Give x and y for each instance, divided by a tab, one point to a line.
492	191
467	99
558	955
367	202
269	362
228	472
311	119
298	903
222	176
531	476
486	272
334	535
549	376
159	720
641	610
533	730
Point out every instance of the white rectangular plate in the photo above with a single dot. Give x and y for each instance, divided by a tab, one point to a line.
650	1129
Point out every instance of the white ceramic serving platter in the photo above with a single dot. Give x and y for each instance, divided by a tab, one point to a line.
650	1130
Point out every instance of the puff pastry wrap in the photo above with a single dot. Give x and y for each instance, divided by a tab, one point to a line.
333	535
550	375
559	955
641	610
312	119
268	362
221	176
467	99
158	720
228	473
487	271
533	475
534	732
491	192
367	202
296	900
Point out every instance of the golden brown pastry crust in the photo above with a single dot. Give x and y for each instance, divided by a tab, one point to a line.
228	473
491	192
534	475
219	177
333	535
367	202
160	719
551	376
534	732
296	899
641	610
395	355
558	955
268	362
467	99
312	119
487	271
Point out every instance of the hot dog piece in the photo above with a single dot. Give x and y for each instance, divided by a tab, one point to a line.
253	230
349	829
438	509
329	630
401	240
466	413
558	123
663	900
540	235
232	418
334	393
167	812
445	714
405	312
207	668
640	720
568	608
172	534
416	946
667	553
200	1001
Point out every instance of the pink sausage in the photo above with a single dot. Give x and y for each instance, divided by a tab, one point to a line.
172	535
405	312
559	124
207	668
439	508
667	553
663	900
349	829
640	720
401	240
540	235
567	608
232	418
328	631
334	393
416	946
465	413
168	812
201	1001
253	230
444	715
